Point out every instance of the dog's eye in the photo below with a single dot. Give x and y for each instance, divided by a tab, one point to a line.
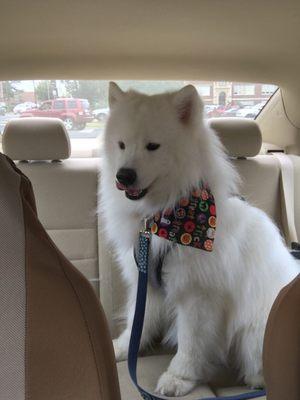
122	145
152	146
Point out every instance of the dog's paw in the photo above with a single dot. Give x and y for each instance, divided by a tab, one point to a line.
121	351
170	385
255	381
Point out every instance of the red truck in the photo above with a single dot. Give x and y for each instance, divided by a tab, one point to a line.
74	112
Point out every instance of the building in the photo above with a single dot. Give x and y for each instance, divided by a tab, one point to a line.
250	94
234	93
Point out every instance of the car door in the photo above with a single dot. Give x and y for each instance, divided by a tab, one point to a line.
58	108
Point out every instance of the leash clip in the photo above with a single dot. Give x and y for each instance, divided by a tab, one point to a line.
145	231
144	246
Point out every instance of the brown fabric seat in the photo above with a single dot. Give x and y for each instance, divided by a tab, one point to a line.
55	342
282	345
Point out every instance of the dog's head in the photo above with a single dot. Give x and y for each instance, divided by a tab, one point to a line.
152	143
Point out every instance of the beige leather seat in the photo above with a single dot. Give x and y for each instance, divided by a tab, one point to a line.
260	174
66	190
296	164
55	342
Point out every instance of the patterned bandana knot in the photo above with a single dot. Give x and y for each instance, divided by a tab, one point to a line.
192	222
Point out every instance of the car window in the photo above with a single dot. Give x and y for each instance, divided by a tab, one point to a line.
71	104
59	104
85	104
221	99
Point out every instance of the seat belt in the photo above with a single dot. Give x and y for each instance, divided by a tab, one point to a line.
287	197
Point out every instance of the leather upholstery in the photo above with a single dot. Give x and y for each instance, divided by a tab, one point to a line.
240	136
36	139
66	197
151	367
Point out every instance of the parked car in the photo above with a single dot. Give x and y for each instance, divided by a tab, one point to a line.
101	114
209	107
250	111
74	112
231	112
27	105
216	111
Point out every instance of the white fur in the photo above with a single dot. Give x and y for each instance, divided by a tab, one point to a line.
211	302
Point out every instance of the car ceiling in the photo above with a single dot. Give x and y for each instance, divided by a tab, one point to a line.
141	39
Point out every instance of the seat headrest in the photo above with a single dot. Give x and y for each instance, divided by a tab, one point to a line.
36	139
241	137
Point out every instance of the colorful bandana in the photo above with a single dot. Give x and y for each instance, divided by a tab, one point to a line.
192	222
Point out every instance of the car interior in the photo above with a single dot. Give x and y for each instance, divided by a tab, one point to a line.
129	42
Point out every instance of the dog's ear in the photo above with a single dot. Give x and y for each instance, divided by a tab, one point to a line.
114	94
187	103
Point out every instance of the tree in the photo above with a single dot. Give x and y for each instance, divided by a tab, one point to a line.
42	91
10	90
150	87
94	91
97	91
71	87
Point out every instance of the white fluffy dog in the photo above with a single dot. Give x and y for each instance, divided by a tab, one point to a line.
210	302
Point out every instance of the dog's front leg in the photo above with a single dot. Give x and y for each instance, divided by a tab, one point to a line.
198	330
152	324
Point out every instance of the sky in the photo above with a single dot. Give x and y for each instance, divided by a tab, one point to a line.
26	86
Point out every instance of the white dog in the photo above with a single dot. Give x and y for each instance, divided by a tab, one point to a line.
156	150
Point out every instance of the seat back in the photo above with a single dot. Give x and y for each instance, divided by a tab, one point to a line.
260	174
12	286
296	163
65	189
55	342
282	345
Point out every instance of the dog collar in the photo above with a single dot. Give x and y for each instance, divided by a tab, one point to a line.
192	222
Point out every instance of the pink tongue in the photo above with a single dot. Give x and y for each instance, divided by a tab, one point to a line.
120	186
133	192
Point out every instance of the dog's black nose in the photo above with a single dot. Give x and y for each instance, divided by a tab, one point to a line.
126	176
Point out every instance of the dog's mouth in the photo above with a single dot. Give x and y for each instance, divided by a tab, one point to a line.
132	194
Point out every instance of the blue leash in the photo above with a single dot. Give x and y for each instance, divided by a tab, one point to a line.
138	322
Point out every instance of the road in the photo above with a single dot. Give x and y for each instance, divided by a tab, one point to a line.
87	133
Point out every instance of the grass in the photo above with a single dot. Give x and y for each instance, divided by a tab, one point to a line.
95	124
